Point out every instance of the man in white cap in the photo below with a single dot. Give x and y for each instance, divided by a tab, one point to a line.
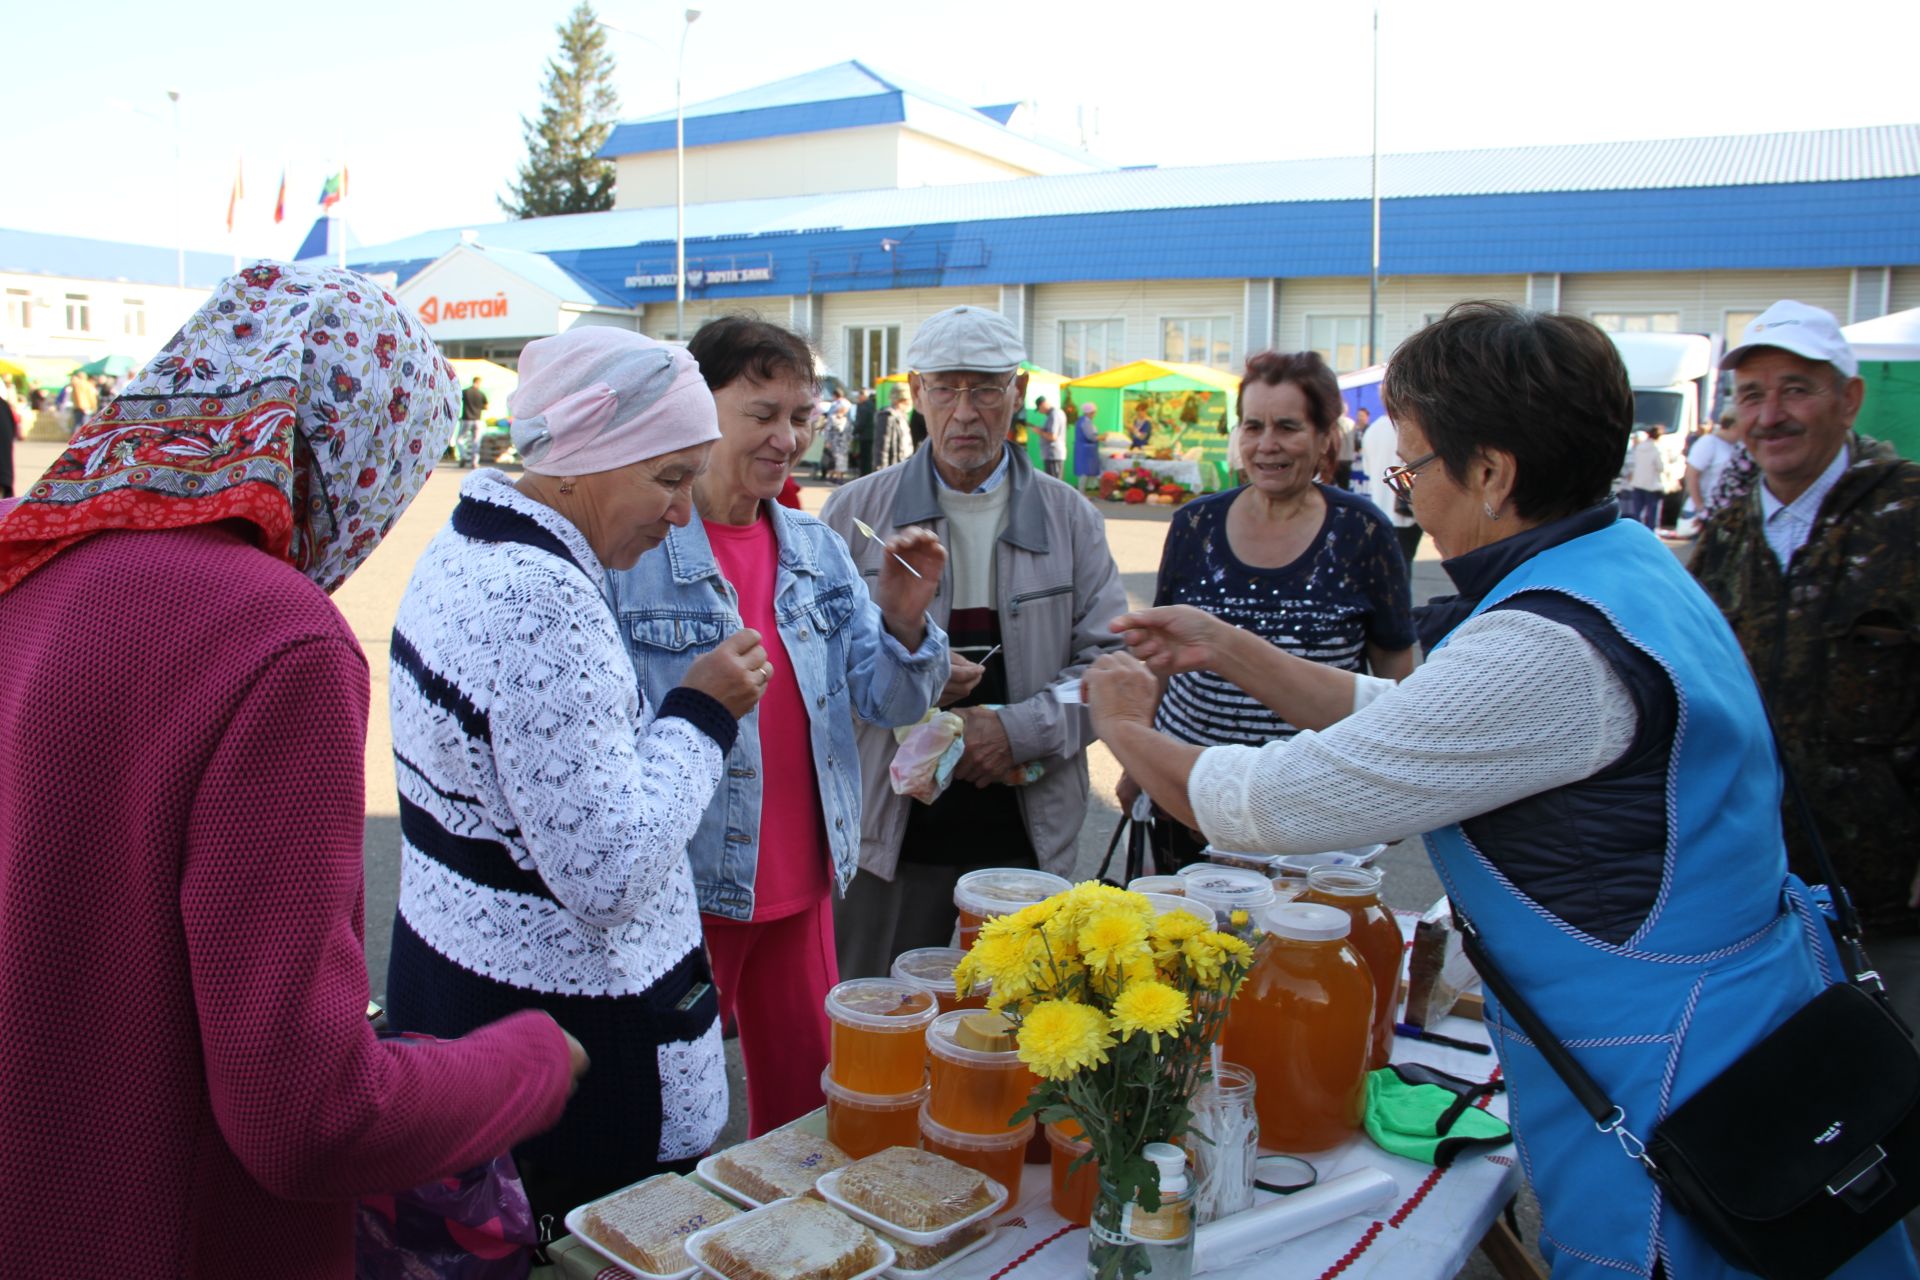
1028	591
1818	570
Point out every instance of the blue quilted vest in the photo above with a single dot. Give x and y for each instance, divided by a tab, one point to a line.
1728	951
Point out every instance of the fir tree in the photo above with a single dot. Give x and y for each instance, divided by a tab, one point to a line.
560	174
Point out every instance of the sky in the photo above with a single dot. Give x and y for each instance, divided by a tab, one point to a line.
423	99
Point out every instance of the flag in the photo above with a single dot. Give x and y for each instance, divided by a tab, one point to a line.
280	205
234	196
334	188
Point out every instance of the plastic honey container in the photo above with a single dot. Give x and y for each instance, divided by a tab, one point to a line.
879	1042
862	1123
1072	1192
981	895
931	969
974	1090
1001	1156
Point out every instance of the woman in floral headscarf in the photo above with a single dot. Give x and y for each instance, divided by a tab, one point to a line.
188	1066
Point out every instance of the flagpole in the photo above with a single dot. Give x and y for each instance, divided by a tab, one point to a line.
337	204
233	212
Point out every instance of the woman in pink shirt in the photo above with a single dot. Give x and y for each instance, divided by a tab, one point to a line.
188	1083
783	830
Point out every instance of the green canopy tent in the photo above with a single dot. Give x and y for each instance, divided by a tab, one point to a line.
1190	405
109	367
1889	352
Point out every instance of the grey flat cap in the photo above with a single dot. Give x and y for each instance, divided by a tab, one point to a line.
966	338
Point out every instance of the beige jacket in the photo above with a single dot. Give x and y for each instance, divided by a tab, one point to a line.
1058	589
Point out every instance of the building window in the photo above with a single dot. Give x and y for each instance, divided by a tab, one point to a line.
133	317
1204	340
79	314
1340	340
19	309
1089	346
873	352
1638	321
1737	322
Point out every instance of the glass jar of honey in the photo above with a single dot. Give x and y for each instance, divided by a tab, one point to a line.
1303	1023
879	1041
979	896
1375	935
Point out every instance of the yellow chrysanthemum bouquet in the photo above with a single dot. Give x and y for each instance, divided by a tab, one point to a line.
1117	1009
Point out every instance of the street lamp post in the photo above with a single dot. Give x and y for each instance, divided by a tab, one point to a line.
179	225
680	185
1373	279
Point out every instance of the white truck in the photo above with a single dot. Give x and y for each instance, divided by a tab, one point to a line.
1673	377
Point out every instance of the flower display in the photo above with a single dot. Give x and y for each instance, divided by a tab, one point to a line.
1117	1008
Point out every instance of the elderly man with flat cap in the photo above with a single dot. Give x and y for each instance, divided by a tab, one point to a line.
1026	597
1818	570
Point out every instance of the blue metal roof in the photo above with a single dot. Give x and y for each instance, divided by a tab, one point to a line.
35	253
1781	201
543	271
846	95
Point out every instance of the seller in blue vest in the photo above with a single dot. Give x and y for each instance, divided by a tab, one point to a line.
1584	751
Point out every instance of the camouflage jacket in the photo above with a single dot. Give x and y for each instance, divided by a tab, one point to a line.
1835	644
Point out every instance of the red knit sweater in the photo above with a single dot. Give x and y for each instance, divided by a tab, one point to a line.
188	1085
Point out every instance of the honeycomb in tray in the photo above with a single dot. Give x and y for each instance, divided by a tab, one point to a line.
783	1163
914	1189
923	1257
797	1240
647	1224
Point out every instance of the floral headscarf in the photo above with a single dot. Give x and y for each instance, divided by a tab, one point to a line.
305	401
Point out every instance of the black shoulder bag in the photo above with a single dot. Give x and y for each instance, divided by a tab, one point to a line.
1807	1148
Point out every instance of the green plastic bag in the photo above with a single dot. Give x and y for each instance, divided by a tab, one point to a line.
1429	1116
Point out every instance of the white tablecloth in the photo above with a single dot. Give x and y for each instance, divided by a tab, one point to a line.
1195	475
1425	1232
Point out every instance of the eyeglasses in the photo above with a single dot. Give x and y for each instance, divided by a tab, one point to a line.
1400	479
1792	396
986	396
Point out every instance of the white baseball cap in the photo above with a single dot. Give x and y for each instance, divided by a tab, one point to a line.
966	338
1796	327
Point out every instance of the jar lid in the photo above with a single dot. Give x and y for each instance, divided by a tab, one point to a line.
872	1101
942	1043
998	890
1230	889
881	1004
1309	922
1165	902
1345	882
934	1131
930	968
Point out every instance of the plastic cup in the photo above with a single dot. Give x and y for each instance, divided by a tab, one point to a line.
879	1035
973	1090
979	896
931	969
861	1123
1001	1156
1174	885
1072	1192
1230	889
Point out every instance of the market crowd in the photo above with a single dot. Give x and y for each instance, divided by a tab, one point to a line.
643	711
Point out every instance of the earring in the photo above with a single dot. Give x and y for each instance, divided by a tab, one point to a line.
1491	513
566	486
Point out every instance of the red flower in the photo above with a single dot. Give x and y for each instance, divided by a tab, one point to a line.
397	406
383	349
367	477
353	339
261	277
413	446
257	305
320	338
352	296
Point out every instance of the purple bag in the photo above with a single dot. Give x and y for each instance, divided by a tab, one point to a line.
477	1225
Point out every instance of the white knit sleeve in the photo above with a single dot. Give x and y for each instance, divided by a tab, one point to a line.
1514	705
605	807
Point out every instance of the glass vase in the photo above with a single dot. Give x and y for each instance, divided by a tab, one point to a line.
1119	1249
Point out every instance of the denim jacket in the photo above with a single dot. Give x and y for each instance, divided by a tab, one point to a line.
674	606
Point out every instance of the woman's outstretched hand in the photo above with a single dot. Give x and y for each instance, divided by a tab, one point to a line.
1173	638
1120	690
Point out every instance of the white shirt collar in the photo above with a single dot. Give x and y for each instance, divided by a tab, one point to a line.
1807	505
992	482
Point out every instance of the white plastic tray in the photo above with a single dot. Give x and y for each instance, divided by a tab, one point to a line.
711	1176
905	1273
887	1255
828	1186
576	1225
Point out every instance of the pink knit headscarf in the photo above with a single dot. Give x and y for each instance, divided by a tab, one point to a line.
595	398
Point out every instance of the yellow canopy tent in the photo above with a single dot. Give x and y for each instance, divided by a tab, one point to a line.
1190	404
496	380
